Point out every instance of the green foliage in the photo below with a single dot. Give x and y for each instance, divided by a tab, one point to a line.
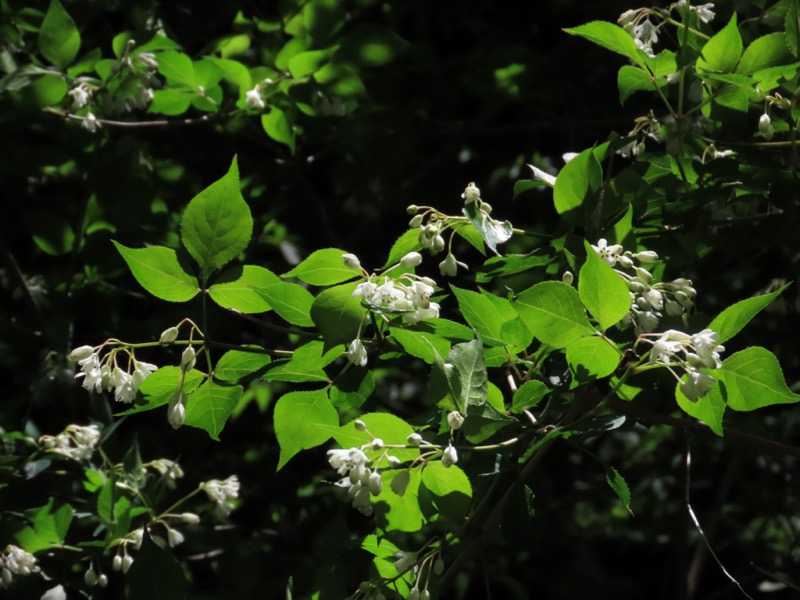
158	271
303	420
602	291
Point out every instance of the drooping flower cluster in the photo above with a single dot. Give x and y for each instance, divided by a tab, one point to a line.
102	373
16	561
691	353
705	12
643	31
223	492
76	442
357	477
649	299
408	294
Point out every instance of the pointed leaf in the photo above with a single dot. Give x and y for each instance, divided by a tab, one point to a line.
578	177
767	51
291	301
210	405
592	357
157	270
620	487
217	224
236	364
337	314
277	125
303	420
528	395
722	51
59	38
324	267
155	574
604	293
753	379
421	344
611	37
236	289
159	387
553	312
709	408
733	319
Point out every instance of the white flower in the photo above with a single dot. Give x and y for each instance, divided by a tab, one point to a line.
450	456
543	176
90	123
362	502
375	484
610	254
645	34
148	59
403	561
351	261
707	348
357	353
471	194
81	94
168	335
16	561
647	321
627	17
697	384
168	468
174	537
705	13
142	371
222	492
77	442
176	411
254	99
449	266
188	359
765	127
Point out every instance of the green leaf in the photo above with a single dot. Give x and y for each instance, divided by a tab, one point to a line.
157	270
466	375
493	232
633	79
177	68
155	574
352	388
451	487
494	318
237	288
59	38
399	512
210	405
592	357
159	387
339	80
306	364
767	51
170	101
421	344
371	45
303	420
471	235
48	527
407	242
722	52
792	27
753	379
324	267
611	37
305	63
733	319
277	125
482	422
237	364
337	314
709	408
291	301
217	224
528	395
604	293
620	487
578	177
553	311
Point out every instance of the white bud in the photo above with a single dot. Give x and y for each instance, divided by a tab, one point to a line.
393	461
450	456
416	221
425	595
765	127
377	444
438	567
351	261
175	537
127	561
176	414
116	563
412	259
81	353
471	194
375	484
414	439
413	594
438	244
648	256
190	518
90	577
412	209
359	425
188	359
455	420
567	278
168	335
486	207
102	580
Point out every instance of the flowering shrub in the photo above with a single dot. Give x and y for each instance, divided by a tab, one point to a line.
558	344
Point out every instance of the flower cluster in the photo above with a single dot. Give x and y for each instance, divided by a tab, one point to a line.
644	127
408	294
222	492
643	31
705	12
76	442
649	299
357	477
16	561
98	374
255	98
691	353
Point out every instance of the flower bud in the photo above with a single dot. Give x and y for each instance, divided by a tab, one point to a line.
412	259
176	414
471	194
393	461
648	256
450	456
413	594
188	359
674	309
412	209
416	221
486	207
567	278
455	420
190	518
81	353
127	561
625	261
359	425
643	274
116	563
438	244
765	127
90	577
414	439
438	567
375	484
175	537
168	335
351	261
377	444
425	595
102	580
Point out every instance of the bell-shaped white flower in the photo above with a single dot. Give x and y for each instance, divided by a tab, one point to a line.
357	353
449	456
